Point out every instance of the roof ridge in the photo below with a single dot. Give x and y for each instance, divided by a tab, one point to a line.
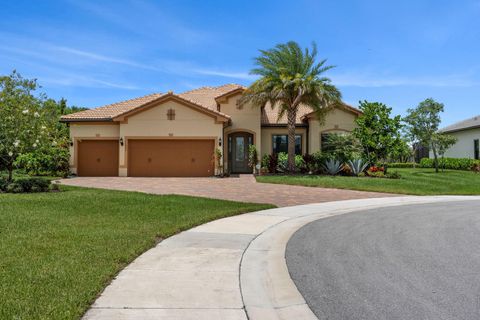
197	89
128	100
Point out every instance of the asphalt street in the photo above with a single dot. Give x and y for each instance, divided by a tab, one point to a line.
408	262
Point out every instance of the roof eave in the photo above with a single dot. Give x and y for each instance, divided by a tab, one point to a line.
460	129
86	120
226	95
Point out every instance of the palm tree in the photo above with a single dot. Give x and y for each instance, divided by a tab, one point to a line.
290	77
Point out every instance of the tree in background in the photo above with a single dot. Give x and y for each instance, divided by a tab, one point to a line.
290	77
423	122
402	152
378	132
443	142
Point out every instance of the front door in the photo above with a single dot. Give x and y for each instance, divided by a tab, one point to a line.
238	144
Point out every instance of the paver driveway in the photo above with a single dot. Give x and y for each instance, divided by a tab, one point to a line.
242	188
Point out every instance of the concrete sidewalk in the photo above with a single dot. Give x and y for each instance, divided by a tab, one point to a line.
232	268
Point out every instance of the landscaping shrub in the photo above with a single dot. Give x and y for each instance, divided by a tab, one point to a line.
270	161
332	167
310	163
343	147
252	157
25	185
47	161
282	165
450	163
394	175
376	172
402	165
3	184
357	166
476	168
265	159
14	187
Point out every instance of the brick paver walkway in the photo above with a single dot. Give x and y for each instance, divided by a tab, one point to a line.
243	188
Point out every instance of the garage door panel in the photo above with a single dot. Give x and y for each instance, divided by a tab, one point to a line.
170	158
97	158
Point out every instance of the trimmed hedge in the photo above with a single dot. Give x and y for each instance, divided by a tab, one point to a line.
401	165
451	163
25	185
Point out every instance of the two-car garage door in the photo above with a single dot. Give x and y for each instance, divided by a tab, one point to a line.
170	158
148	158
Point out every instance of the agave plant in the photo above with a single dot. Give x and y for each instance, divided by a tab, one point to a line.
332	167
357	166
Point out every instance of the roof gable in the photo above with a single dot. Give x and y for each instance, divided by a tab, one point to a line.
173	97
201	99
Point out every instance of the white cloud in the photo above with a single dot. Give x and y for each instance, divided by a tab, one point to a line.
225	74
104	58
84	81
369	80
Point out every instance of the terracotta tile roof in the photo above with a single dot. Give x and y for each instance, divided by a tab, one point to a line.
463	125
110	111
206	96
203	97
270	116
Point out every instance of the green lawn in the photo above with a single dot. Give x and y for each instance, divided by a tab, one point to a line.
413	181
59	250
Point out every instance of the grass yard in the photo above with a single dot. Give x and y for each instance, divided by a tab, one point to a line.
413	181
59	250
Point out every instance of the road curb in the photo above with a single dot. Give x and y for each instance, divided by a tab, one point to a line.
268	291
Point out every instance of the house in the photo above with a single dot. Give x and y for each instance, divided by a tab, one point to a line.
468	134
176	134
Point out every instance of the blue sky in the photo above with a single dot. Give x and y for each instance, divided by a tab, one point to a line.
99	52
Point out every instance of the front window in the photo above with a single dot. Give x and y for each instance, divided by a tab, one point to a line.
476	149
280	143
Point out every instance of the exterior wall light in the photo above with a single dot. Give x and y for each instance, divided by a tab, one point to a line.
220	142
121	141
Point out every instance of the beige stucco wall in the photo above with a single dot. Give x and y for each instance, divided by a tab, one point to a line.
268	132
90	131
337	120
464	147
153	123
246	118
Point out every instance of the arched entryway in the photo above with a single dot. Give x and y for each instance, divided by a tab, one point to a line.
238	144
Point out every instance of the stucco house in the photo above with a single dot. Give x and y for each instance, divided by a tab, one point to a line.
468	134
176	134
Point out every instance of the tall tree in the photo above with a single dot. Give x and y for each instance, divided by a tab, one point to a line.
21	123
377	131
290	77
423	122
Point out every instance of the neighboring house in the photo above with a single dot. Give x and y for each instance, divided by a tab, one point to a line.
468	134
176	134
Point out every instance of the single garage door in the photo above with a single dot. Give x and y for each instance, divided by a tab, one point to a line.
170	158
97	158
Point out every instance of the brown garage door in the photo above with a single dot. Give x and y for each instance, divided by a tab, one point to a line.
98	158
170	158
